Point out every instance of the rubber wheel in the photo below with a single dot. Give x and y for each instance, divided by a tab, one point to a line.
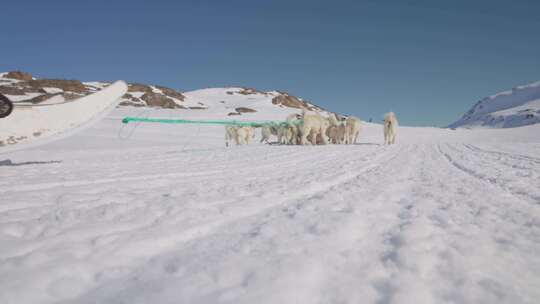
6	106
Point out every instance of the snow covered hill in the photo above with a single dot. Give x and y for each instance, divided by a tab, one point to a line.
518	107
232	101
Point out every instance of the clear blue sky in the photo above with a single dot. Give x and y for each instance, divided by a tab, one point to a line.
429	61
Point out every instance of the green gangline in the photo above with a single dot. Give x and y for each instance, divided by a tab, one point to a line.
208	122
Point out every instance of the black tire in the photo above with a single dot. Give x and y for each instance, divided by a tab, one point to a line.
6	106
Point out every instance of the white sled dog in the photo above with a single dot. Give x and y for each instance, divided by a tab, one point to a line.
390	128
313	126
336	131
293	132
241	135
352	129
266	132
230	135
245	135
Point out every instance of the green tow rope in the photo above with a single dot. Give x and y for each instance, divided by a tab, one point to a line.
208	122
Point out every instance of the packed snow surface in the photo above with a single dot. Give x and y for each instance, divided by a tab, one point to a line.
150	213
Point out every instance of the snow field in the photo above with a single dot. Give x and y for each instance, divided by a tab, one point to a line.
169	217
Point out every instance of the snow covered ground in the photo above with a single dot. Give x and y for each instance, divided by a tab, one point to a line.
169	215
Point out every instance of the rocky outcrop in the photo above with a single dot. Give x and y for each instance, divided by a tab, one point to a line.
66	85
159	100
245	110
130	100
162	97
19	75
290	101
240	110
42	98
249	91
171	93
137	87
8	90
131	103
18	83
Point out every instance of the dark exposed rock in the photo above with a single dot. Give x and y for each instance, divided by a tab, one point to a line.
9	90
137	87
249	91
66	85
42	98
171	93
244	110
159	100
233	113
27	88
290	101
130	103
286	100
19	75
71	96
131	97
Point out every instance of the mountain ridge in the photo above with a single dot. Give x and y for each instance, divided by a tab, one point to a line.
23	87
517	107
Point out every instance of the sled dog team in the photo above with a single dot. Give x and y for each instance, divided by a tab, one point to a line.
311	128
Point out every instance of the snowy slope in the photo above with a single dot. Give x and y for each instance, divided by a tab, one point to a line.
230	101
518	107
248	104
169	215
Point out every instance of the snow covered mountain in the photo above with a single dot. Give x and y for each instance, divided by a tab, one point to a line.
221	102
517	107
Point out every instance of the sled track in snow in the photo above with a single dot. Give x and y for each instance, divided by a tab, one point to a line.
338	177
302	205
514	179
335	224
400	219
505	154
267	161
